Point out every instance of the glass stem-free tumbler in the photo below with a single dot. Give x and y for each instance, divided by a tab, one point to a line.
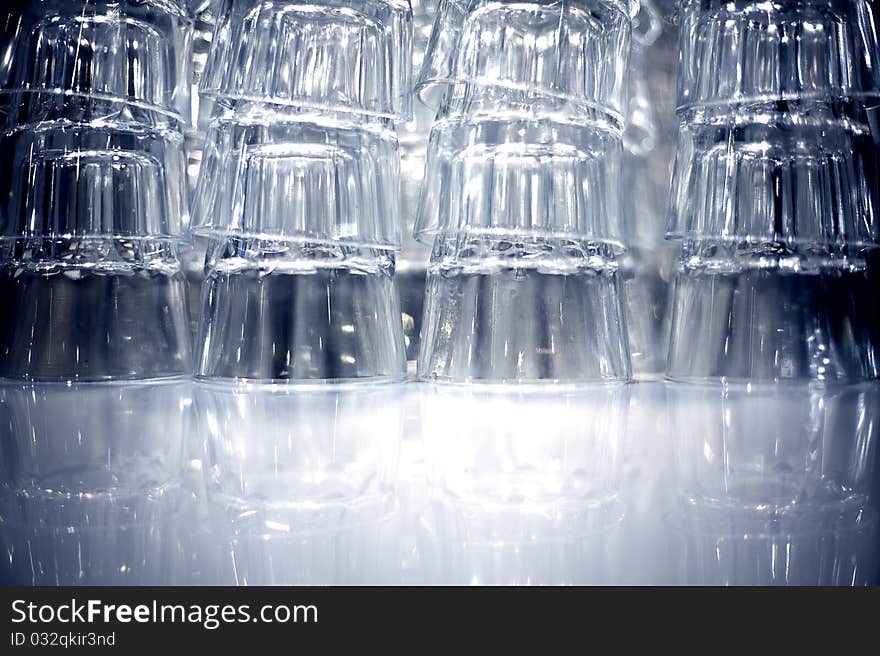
773	197
94	97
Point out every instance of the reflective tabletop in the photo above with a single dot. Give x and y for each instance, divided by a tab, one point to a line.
647	483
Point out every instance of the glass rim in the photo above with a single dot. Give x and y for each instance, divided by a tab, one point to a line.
305	104
733	103
222	234
428	234
185	120
431	91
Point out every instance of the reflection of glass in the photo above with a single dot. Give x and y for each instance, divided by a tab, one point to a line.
572	54
92	482
254	550
107	550
746	548
524	483
300	481
776	482
785	445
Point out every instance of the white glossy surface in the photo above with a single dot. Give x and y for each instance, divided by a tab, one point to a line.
649	483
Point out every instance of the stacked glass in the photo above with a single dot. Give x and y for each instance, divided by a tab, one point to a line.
774	200
520	191
775	192
299	190
93	98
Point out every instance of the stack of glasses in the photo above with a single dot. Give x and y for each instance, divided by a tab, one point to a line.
775	192
299	190
520	191
93	98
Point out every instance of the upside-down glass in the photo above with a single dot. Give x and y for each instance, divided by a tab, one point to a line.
75	168
299	190
136	51
568	56
94	210
299	311
332	55
764	314
303	175
504	174
93	97
796	174
777	143
521	309
522	283
746	51
520	194
302	213
773	193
